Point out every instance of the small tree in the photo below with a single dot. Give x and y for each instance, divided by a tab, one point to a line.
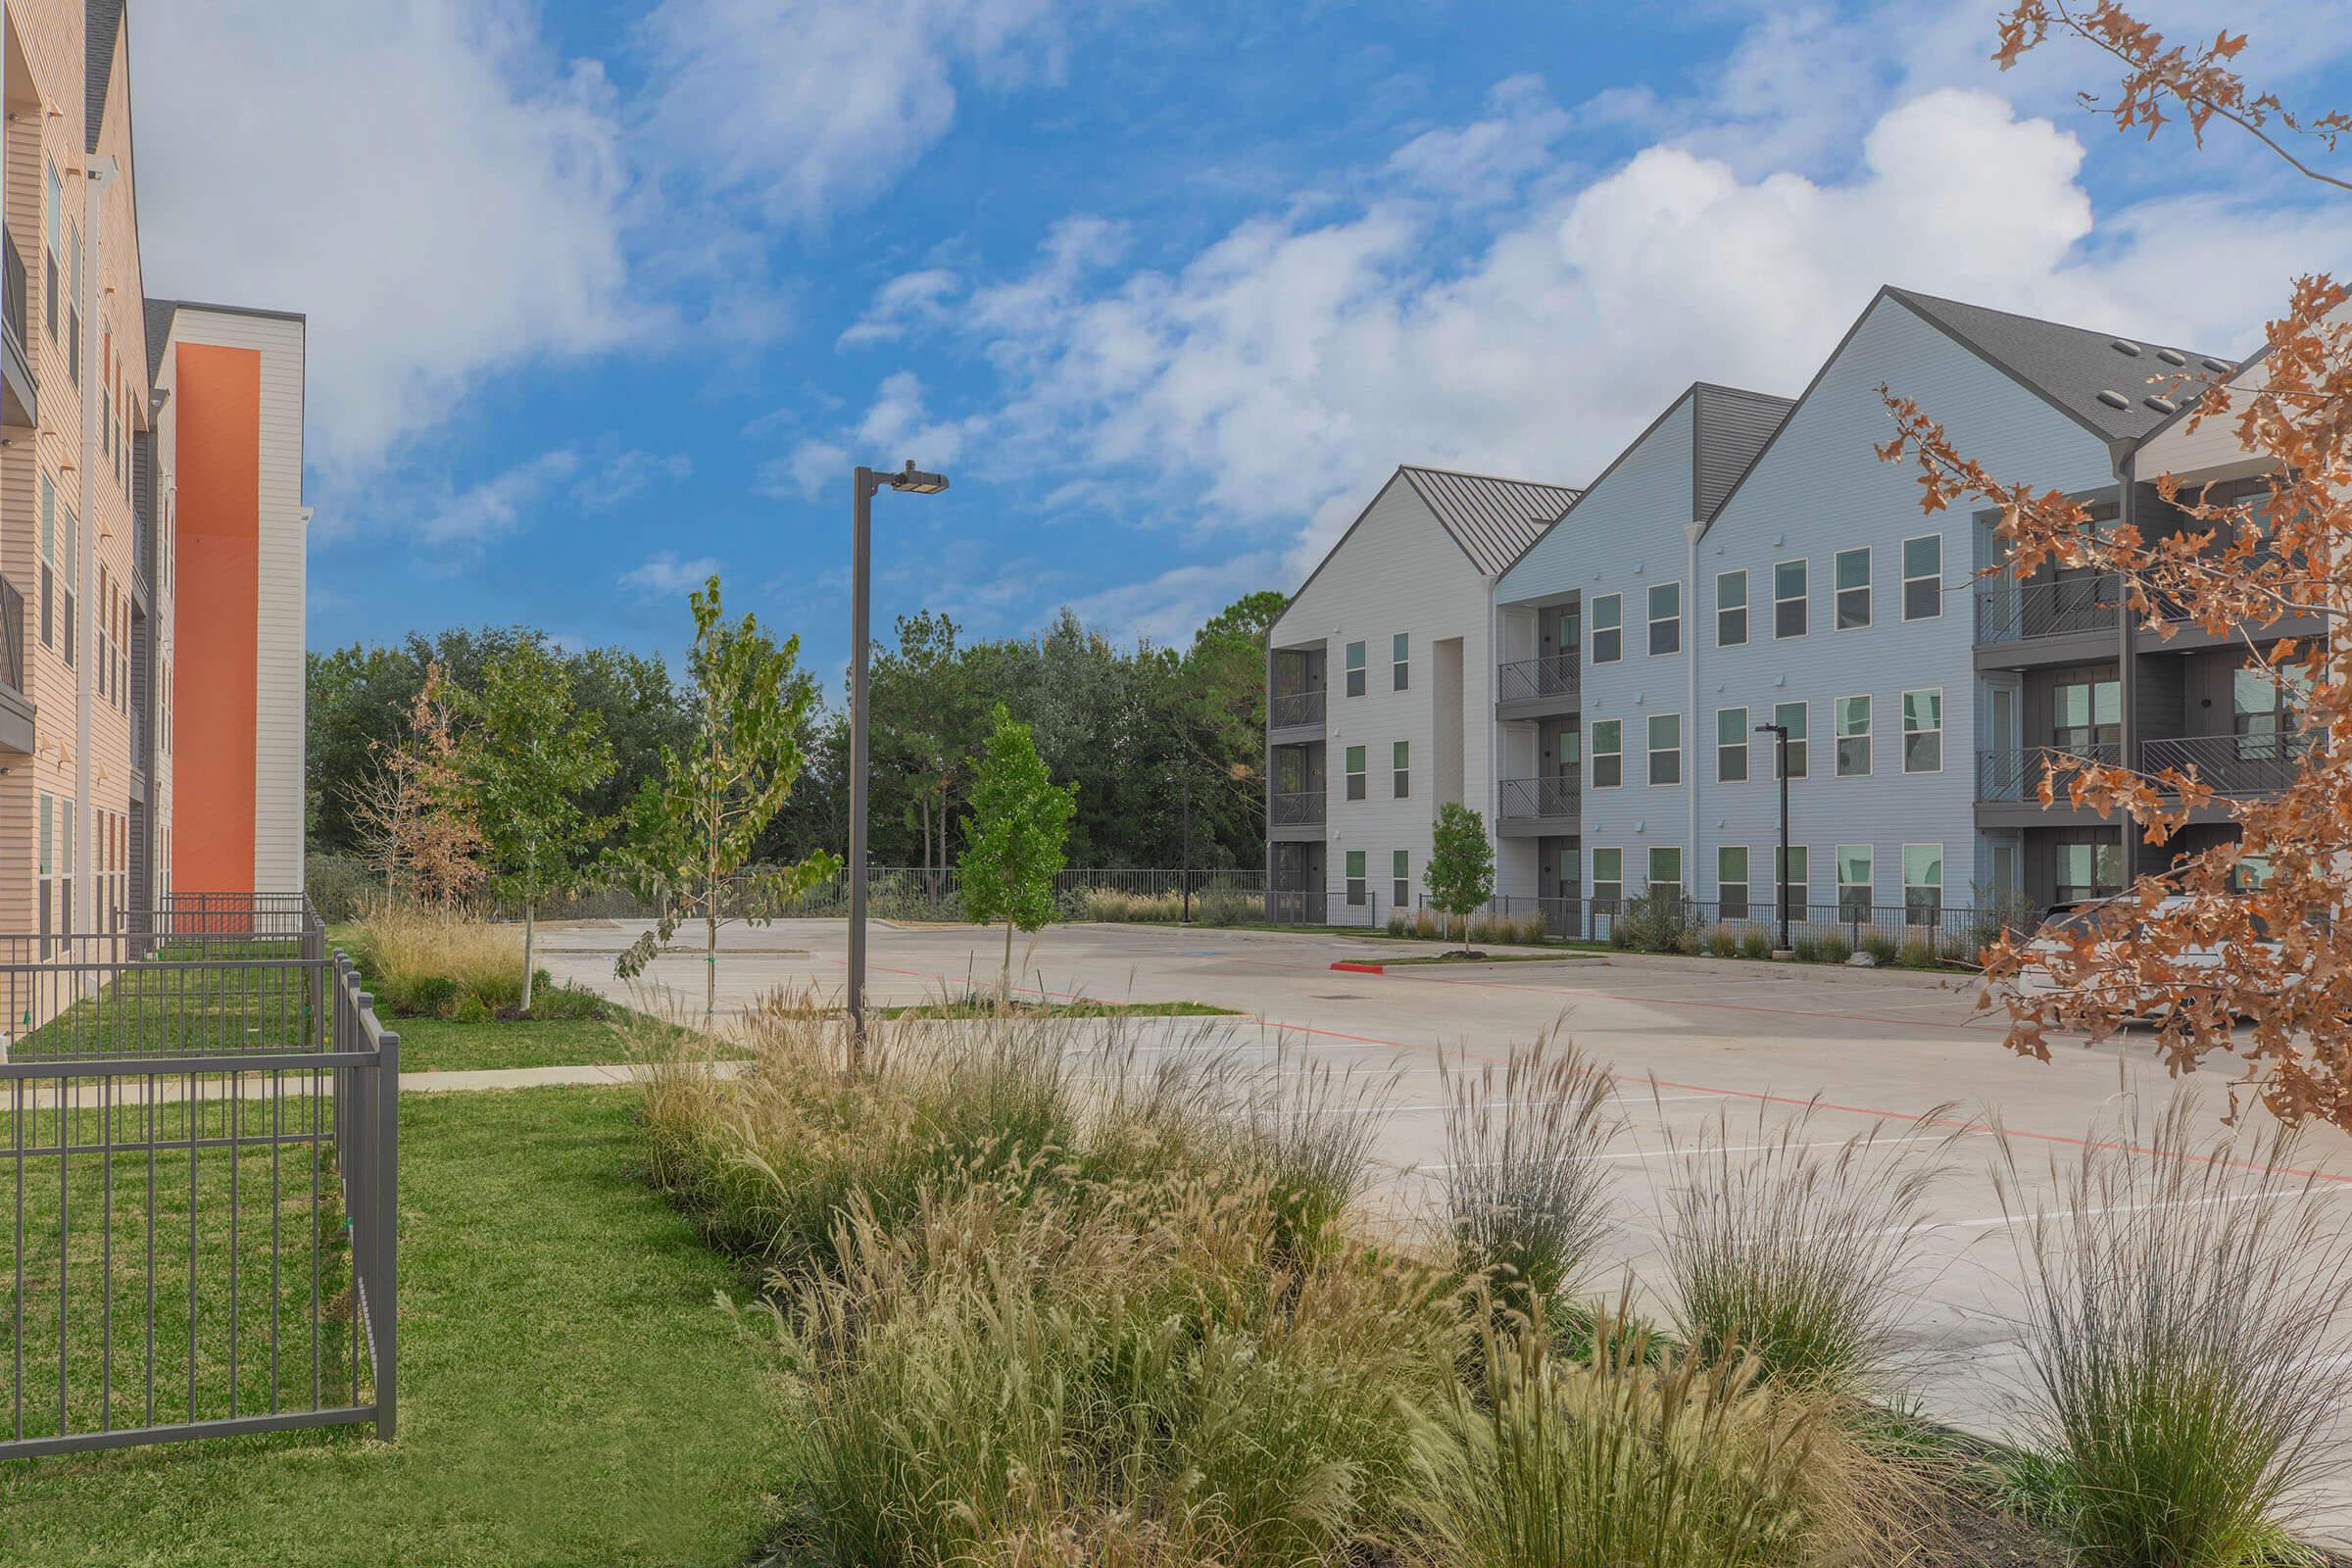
416	830
692	829
523	765
1461	874
1013	838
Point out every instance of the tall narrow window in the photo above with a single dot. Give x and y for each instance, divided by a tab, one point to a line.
1730	882
46	808
48	563
1731	745
1731	608
1923	732
74	304
1923	578
71	563
1796	879
1608	880
1400	662
51	219
1665	747
1791	718
1853	882
1356	670
1401	764
1853	588
1401	880
1854	737
1609	753
1923	883
1356	877
1355	772
1789	599
1666	618
1608	628
1665	870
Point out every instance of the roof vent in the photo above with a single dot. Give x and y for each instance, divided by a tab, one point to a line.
2172	356
2217	367
2122	347
2115	400
2162	405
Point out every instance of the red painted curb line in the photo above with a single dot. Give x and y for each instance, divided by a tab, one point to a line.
1361	968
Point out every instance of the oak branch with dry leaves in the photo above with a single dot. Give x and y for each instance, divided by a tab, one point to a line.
2244	947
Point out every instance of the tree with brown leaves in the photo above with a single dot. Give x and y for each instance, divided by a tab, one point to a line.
417	831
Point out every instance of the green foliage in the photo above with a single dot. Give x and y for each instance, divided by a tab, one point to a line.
1755	943
1660	921
1459	877
1880	946
1015	837
1835	948
338	885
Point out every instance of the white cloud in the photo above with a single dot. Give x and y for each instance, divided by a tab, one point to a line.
898	426
906	301
461	522
1488	160
1170	606
439	194
665	576
808	106
624	476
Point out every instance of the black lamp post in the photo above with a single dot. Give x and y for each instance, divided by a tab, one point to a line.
1780	868
868	481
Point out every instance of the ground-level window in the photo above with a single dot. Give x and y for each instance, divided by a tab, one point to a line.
45	815
1923	883
1730	882
1401	880
1666	870
1796	879
1608	880
1355	772
1853	881
1356	876
1731	745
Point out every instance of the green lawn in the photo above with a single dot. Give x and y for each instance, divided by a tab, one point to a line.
570	1394
435	1044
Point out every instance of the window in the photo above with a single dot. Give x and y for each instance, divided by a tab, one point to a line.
69	563
1852	719
73	305
2261	710
2087	870
1355	772
1796	879
1731	746
1789	599
1923	578
50	221
1666	618
1852	568
1401	880
1791	718
1356	670
1731	608
1609	753
1730	882
1608	880
1665	747
1608	628
1923	732
1400	662
1923	883
1401	762
45	864
1853	882
1356	877
48	563
2086	714
1665	870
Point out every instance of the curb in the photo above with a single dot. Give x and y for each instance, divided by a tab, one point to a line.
1353	967
1831	973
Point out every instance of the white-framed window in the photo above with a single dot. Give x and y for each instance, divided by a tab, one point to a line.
1852	719
1401	764
1665	617
1731	881
1355	772
1923	883
1356	670
48	563
69	573
1731	746
45	862
1608	879
52	247
1731	608
1609	753
1400	662
1923	578
1665	747
1791	718
1788	599
1852	571
1796	879
1401	880
1356	877
1853	881
1665	870
1608	628
1923	731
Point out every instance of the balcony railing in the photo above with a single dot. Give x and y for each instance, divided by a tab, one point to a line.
2016	775
1538	799
2012	611
12	637
1524	680
1289	708
2232	765
16	297
1295	809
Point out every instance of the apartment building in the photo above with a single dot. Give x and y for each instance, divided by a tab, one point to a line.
1380	682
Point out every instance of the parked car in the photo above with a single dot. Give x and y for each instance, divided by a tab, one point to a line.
2124	989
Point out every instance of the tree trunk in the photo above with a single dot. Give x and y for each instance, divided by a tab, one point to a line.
711	953
530	934
1005	986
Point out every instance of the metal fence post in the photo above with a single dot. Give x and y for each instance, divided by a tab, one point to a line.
383	1307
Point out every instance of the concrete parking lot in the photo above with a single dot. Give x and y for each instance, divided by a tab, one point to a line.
1690	1041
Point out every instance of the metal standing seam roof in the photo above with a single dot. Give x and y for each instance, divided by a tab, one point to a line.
1494	519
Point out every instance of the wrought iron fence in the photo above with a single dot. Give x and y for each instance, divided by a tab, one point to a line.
1527	800
2015	611
1523	681
1288	709
1355	904
2233	764
200	1239
2016	774
1668	924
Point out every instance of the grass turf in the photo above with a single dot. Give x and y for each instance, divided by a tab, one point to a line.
568	1393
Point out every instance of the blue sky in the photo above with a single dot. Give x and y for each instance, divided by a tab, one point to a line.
605	294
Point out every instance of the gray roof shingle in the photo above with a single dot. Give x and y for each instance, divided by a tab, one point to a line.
159	332
104	19
1492	520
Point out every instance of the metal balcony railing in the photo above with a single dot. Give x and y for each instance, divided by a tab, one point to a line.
11	636
16	296
1295	809
1288	709
1538	799
1554	675
2012	611
2232	765
2015	775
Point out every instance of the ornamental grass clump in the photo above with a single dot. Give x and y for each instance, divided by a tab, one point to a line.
2187	1338
420	962
1792	1253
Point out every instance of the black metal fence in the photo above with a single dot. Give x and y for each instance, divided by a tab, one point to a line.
201	1158
1525	680
2012	611
1662	923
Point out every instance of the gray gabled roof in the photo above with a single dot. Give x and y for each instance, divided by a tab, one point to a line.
158	333
1729	425
105	21
2084	374
1492	520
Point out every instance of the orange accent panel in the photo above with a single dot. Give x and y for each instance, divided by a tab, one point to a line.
218	403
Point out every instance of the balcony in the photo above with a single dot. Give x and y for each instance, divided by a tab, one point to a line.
1538	688
2238	766
18	404
16	709
1295	808
2009	783
2061	622
1537	807
1294	711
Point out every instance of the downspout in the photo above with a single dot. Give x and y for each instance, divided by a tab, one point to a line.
1692	737
1493	732
2127	662
85	544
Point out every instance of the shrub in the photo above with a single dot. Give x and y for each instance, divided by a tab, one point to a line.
417	961
1793	1253
1755	943
1660	921
1525	1199
1525	929
1919	954
1227	906
1119	904
1835	948
552	1000
1723	942
2185	1330
1806	948
1880	946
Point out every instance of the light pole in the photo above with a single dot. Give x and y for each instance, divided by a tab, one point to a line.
1779	867
868	481
1186	779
